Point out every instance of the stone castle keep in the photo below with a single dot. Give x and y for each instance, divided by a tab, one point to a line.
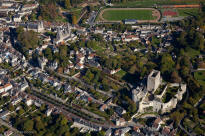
148	101
153	81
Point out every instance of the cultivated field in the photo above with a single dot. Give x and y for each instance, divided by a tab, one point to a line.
120	14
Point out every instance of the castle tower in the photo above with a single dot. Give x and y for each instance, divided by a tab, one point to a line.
153	80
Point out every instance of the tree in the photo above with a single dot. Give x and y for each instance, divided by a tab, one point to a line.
177	116
64	121
74	19
28	125
63	51
67	4
123	1
62	130
49	11
175	77
132	69
87	134
101	133
11	107
20	111
74	131
27	40
67	134
39	125
126	116
49	134
166	64
48	54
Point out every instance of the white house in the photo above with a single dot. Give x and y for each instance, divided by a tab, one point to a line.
17	18
29	102
79	66
48	112
6	87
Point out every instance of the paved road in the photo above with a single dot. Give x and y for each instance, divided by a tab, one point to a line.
16	132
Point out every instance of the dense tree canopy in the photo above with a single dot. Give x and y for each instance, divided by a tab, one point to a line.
49	12
27	39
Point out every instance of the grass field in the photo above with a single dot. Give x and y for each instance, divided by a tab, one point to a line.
118	15
200	76
187	11
149	3
192	52
76	11
121	73
170	93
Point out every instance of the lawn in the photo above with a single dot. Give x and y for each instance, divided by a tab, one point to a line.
200	76
76	11
121	73
160	90
192	52
170	93
187	11
150	3
118	15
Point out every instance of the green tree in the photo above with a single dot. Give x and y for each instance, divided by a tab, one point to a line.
67	134
123	1
177	116
20	111
166	64
39	125
48	54
28	125
64	121
175	77
67	4
49	11
74	19
11	107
